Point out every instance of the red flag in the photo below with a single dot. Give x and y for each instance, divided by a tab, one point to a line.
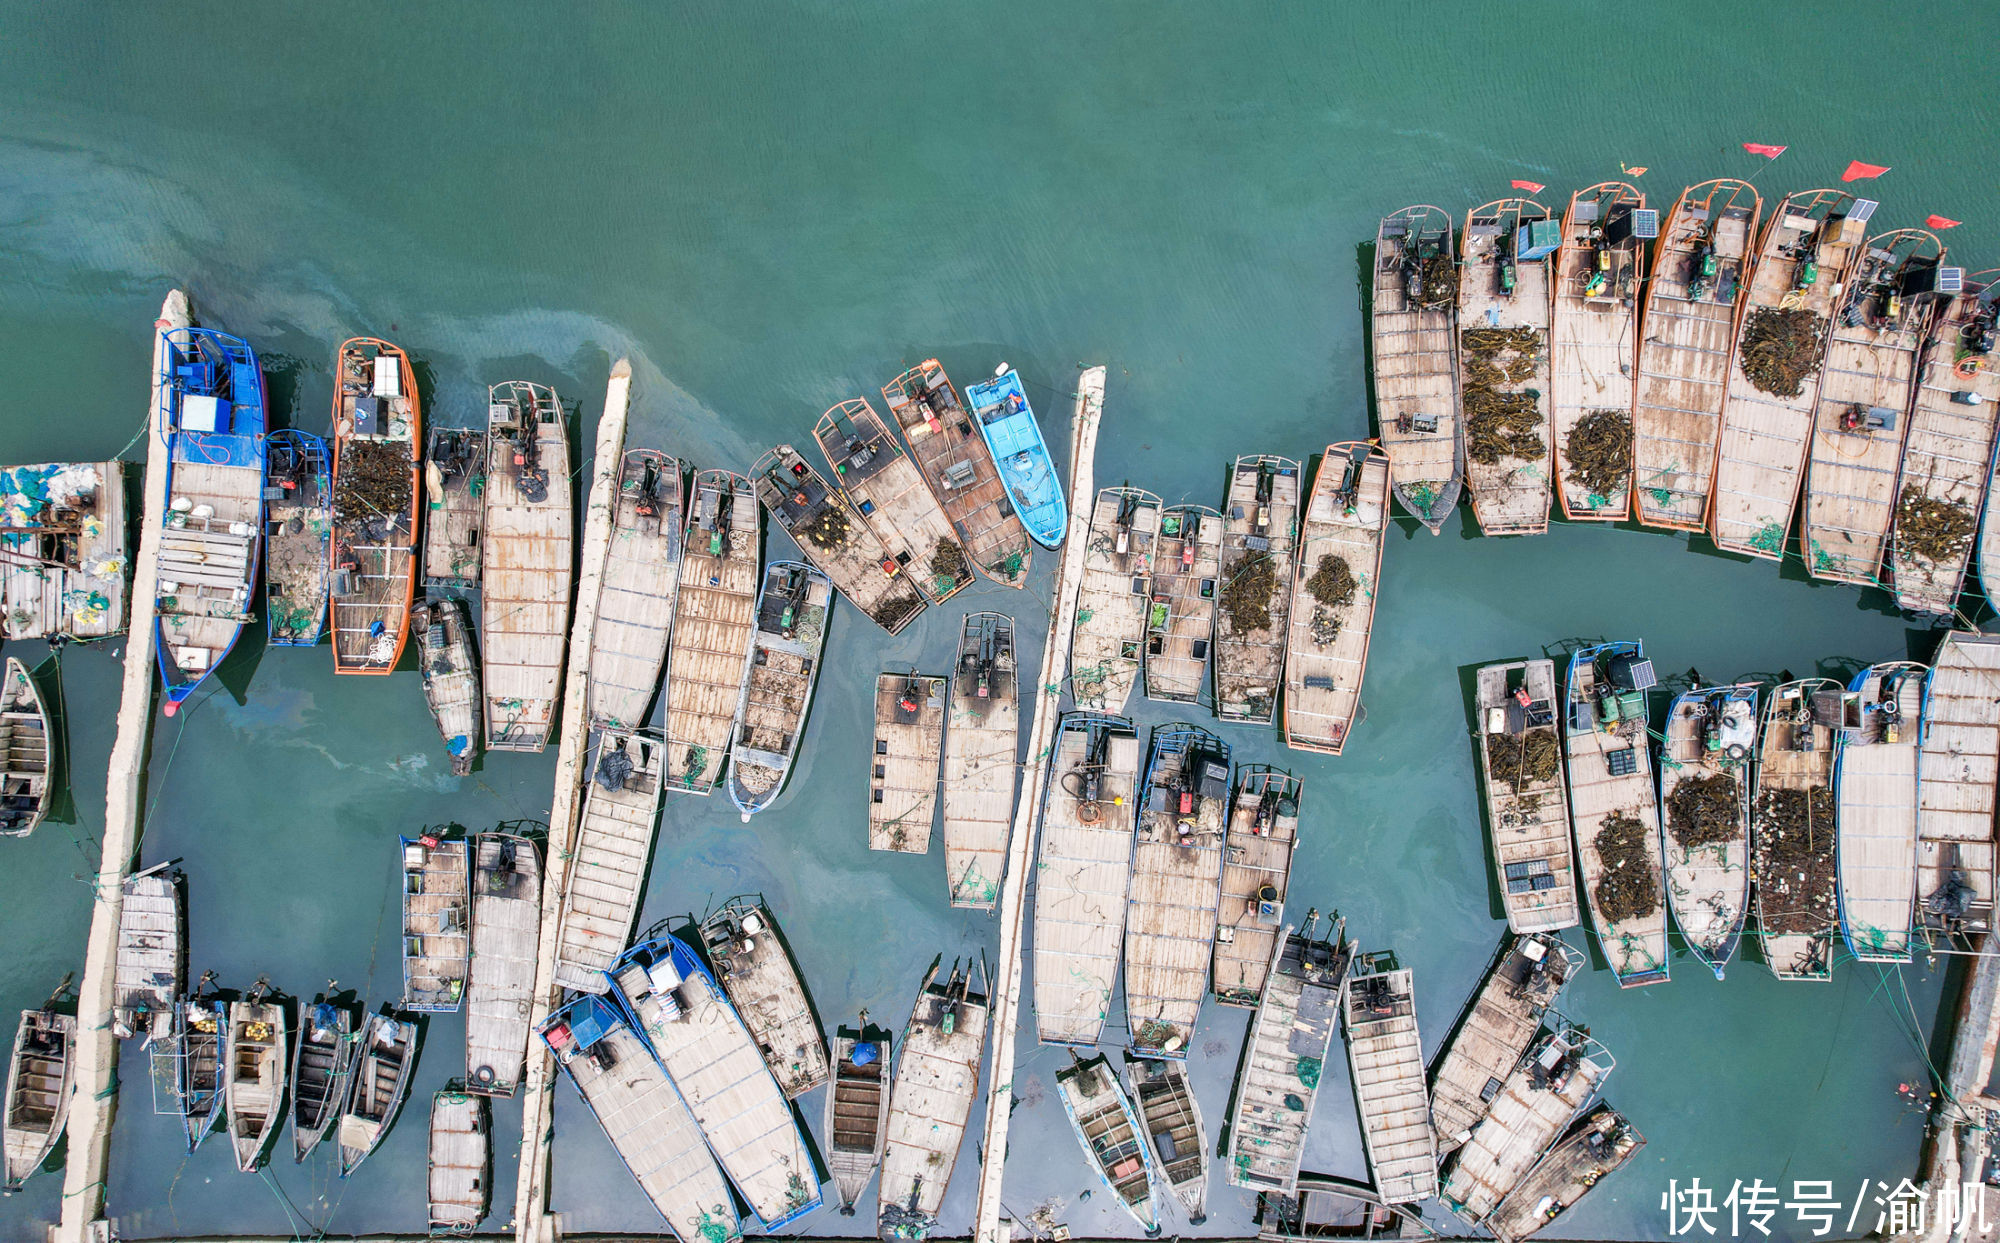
1764	149
1532	187
1939	222
1856	171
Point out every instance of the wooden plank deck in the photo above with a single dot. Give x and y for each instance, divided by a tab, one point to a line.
1284	1058
63	567
754	969
455	463
1177	860
1510	476
930	1102
461	1162
1413	327
1260	522
1761	457
1114	599
785	658
1711	738
1386	1055
1957	765
715	622
151	964
958	465
614	844
506	919
893	499
1875	785
1083	876
1590	1151
1345	521
1686	340
903	768
1797	912
1527	816
641	585
254	1090
1540	1098
207	566
832	534
298	537
526	560
437	923
450	669
1949	457
856	1122
1635	946
1180	622
1494	1035
981	768
1171	1118
1256	873
1107	1129
1600	273
378	434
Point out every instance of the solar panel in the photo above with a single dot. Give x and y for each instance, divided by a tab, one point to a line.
1646	222
1862	210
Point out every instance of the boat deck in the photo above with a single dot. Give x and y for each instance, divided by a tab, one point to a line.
1875	785
1594	339
893	499
1083	876
1108	1131
1526	811
1503	388
378	443
981	771
930	1102
298	533
1957	766
1529	1113
834	536
1180	623
455	464
1336	580
1946	464
1591	1150
1284	1060
461	1162
614	842
450	675
857	1112
1414	333
254	1093
527	557
1501	1023
1171	1119
785	659
151	969
715	623
1387	1057
506	924
41	1080
958	465
63	568
641	585
743	943
1177	860
1611	781
1708	865
1259	525
207	565
1797	911
1114	599
1256	872
903	773
437	924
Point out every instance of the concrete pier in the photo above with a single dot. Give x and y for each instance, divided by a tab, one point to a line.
1021	838
96	1103
532	1220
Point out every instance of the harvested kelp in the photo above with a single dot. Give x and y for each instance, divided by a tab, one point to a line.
948	562
889	612
1629	889
827	530
1247	598
1523	759
373	481
1781	348
1705	810
1795	861
1332	583
1510	353
1600	452
1440	279
1500	423
1933	529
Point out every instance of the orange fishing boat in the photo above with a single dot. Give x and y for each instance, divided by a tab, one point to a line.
378	442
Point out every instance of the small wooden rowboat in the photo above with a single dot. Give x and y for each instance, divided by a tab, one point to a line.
461	1161
450	669
322	1066
254	1089
1171	1118
201	1061
1108	1128
41	1079
25	786
377	450
378	1087
857	1109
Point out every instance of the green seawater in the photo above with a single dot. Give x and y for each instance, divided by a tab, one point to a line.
773	207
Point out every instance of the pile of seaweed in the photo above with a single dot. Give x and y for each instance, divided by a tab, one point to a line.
1629	888
1933	529
1247	598
1523	760
374	481
1795	865
948	562
1440	277
1600	452
1332	584
827	530
892	610
1501	424
1705	810
1782	348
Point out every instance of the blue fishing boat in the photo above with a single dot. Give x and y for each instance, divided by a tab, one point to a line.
1008	423
298	530
210	408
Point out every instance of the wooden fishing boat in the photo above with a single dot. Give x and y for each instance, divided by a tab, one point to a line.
377	1088
1171	1119
1949	458
1866	388
1258	525
526	560
1007	422
450	670
461	1161
1595	1147
644	1117
1505	290
437	922
833	536
751	963
1614	812
886	488
151	962
980	769
1803	262
1177	859
1686	343
958	465
377	457
857	1110
1540	1098
1520	771
254	1090
1792	830
64	552
1108	1128
322	1068
212	414
201	1061
41	1079
641	585
1494	1033
1705	798
1335	582
1386	1055
1114	601
709	652
792	611
1180	618
1284	1057
1414	342
26	790
614	843
1256	872
506	926
1083	875
937	1080
1956	765
455	465
298	536
1875	793
903	779
714	1063
1594	347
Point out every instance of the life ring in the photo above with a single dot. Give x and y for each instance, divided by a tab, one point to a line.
1736	751
483	1076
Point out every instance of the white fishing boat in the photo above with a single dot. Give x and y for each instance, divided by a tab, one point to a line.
1875	791
199	1057
1792	832
980	771
455	506
742	940
1177	859
1113	1142
1256	873
527	558
614	844
937	1081
152	955
1284	1057
506	926
958	465
822	520
1259	521
1083	875
1180	618
715	624
1521	773
1505	301
460	1178
785	658
1114	599
1337	579
903	771
892	497
1594	345
1385	1052
1495	1032
1413	322
640	588
1705	797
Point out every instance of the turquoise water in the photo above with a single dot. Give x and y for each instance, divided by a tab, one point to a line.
772	209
